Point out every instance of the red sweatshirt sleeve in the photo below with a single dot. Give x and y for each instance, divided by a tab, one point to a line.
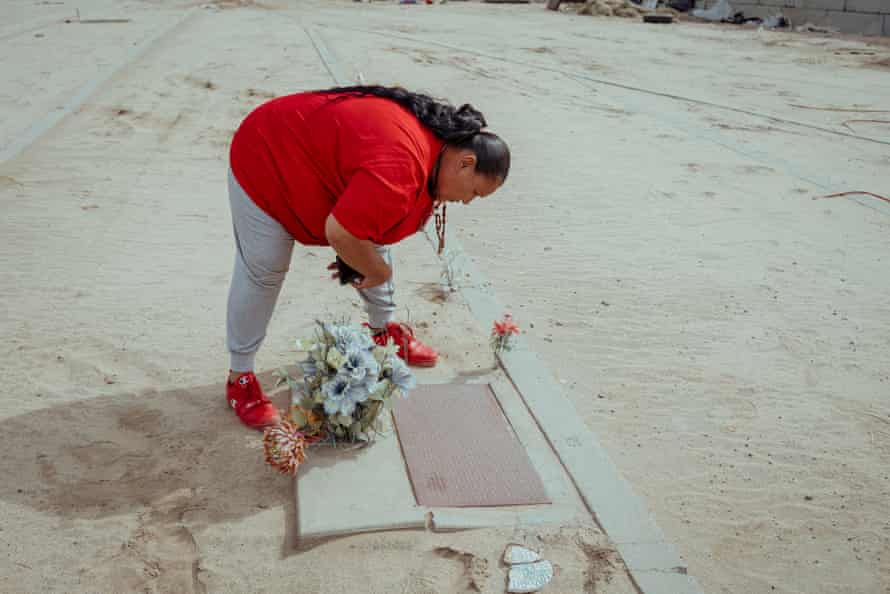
379	196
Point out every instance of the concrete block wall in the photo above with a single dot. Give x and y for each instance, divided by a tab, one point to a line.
867	17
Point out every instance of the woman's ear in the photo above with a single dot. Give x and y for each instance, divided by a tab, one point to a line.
468	160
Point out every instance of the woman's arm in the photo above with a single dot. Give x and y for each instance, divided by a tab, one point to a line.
358	253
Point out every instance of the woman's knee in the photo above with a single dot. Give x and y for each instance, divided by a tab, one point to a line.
265	272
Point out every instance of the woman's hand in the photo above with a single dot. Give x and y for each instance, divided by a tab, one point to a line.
361	282
334	267
346	273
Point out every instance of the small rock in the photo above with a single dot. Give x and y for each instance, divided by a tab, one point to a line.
807	497
517	554
529	577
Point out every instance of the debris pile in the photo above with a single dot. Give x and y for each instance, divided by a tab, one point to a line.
625	8
618	8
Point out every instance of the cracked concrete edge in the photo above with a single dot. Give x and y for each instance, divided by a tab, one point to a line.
664	582
349	524
35	132
451	520
652	562
651	556
314	523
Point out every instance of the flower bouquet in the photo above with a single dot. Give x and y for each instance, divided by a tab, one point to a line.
347	382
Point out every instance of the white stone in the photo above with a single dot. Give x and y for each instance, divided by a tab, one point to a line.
529	577
517	554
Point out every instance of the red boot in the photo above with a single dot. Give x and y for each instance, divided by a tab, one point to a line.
411	350
251	404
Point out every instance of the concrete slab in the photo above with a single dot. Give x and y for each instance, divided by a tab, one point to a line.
342	492
339	492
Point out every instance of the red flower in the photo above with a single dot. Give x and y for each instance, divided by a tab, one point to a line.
505	327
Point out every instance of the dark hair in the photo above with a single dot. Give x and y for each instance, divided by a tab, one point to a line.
461	127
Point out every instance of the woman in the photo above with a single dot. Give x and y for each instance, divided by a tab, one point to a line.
356	168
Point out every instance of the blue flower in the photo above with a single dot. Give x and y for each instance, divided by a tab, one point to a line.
334	393
401	376
347	337
341	396
360	366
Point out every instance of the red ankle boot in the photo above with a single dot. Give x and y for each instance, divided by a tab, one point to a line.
411	350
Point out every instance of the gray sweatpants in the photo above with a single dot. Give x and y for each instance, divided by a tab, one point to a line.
262	259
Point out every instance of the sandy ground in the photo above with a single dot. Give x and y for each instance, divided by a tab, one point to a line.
724	334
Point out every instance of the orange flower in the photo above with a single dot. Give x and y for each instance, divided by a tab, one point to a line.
284	447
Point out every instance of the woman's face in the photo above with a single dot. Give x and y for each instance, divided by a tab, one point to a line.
458	179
